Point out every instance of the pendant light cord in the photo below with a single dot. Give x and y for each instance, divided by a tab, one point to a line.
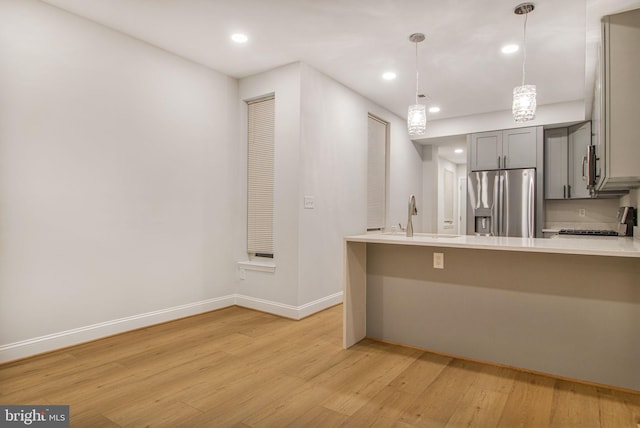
524	47
417	75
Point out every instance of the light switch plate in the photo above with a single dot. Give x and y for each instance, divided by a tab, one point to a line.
309	203
438	260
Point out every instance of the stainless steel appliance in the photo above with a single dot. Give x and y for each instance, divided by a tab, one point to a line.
588	232
626	221
502	203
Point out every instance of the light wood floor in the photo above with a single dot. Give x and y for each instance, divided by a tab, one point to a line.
241	368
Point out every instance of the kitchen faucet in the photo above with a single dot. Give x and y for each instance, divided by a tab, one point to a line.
412	211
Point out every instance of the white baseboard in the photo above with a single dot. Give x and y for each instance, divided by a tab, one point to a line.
289	311
319	305
50	342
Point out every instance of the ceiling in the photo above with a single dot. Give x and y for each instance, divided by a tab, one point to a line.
354	41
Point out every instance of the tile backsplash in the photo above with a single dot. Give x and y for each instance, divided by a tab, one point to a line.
632	199
581	213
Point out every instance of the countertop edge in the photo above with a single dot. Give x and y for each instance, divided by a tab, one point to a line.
439	242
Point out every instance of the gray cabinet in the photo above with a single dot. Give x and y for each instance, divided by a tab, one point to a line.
579	142
486	150
508	149
565	156
519	148
556	163
617	143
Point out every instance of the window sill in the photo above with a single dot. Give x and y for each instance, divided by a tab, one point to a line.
257	266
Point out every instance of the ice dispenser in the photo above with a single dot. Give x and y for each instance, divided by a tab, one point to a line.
483	221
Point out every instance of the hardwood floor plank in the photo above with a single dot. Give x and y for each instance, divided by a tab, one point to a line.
435	406
311	360
151	413
478	408
384	409
574	405
299	402
91	419
484	401
242	368
618	409
375	372
421	373
254	387
46	364
529	403
318	417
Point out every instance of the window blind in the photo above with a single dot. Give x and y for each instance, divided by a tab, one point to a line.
376	173
260	168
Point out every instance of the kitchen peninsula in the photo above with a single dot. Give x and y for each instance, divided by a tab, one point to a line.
567	307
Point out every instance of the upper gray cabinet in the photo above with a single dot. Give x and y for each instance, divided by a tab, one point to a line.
619	100
508	149
579	142
556	163
486	150
565	159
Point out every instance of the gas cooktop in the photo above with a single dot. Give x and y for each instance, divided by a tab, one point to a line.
588	232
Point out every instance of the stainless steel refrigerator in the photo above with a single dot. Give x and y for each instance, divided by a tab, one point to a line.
502	203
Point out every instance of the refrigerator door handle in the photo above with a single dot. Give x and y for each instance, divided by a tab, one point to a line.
532	208
496	214
500	229
504	207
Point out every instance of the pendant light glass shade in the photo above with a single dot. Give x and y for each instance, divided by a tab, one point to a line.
417	119
524	103
417	113
524	96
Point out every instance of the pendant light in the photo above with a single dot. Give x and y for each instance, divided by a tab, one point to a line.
417	115
524	96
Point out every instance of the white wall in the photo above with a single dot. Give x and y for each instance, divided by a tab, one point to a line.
406	177
281	286
123	183
569	112
430	188
333	169
116	160
443	165
461	172
321	149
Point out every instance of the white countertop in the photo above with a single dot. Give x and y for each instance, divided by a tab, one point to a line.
593	246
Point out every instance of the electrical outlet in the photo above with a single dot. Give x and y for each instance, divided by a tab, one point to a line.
582	212
309	203
243	274
438	260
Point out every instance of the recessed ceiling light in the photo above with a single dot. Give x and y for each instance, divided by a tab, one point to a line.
509	49
388	75
458	150
434	109
240	38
